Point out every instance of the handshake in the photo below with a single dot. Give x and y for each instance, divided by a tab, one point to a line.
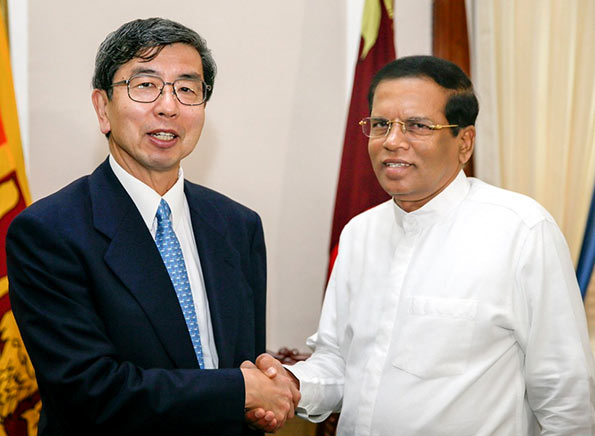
272	393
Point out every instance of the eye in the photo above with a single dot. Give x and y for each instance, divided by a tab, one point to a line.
189	87
186	90
144	83
414	126
378	123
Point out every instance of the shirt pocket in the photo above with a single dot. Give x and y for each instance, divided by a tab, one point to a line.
435	336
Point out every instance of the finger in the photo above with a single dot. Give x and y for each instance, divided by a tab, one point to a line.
250	416
295	395
291	410
270	416
265	421
280	422
255	414
247	364
287	412
259	413
271	427
265	426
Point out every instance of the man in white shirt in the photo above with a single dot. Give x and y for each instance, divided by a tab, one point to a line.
452	309
140	294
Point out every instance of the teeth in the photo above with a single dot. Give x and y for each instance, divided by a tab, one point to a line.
397	165
163	136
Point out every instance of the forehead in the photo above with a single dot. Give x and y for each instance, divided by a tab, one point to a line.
409	96
174	60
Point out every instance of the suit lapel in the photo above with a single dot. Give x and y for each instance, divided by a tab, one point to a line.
222	277
133	257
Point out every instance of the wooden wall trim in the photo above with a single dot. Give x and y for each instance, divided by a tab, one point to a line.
451	40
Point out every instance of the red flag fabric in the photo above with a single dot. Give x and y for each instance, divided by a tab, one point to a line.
358	189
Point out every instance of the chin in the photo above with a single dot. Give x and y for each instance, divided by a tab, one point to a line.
404	196
396	191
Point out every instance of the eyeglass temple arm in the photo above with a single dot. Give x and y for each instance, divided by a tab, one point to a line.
442	126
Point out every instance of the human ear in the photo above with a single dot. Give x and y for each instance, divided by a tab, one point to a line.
467	144
100	103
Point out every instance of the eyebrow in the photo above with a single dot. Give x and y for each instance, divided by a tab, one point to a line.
419	119
414	118
150	71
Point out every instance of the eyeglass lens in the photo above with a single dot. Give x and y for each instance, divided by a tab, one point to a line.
373	127
146	89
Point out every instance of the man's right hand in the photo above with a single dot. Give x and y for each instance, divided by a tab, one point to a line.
270	399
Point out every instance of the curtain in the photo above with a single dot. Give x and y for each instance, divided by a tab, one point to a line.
533	66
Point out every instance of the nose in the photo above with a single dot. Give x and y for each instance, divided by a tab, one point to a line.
395	138
167	103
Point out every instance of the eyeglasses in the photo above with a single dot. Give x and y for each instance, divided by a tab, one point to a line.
374	127
144	88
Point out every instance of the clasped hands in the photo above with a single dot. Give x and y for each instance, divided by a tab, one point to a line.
272	393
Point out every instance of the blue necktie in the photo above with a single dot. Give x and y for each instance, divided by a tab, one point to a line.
171	253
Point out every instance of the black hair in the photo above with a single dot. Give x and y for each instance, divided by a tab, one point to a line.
462	105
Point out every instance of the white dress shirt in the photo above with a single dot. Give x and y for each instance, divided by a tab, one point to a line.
147	201
461	318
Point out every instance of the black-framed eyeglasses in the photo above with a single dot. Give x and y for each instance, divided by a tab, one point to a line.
145	88
374	127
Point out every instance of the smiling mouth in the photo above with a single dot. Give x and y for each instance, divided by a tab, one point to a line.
396	164
163	136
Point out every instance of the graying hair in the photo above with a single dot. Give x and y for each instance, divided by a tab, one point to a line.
145	39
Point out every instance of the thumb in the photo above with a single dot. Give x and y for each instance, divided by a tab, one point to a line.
266	363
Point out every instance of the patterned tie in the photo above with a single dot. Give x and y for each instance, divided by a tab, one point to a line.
171	253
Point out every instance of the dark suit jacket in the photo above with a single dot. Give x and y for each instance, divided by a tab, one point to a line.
102	324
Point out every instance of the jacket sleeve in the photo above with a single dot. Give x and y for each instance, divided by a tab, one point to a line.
257	259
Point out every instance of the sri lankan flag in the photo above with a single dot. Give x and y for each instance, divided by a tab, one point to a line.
19	398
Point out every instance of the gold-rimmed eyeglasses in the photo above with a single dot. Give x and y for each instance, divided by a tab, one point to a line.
374	127
144	88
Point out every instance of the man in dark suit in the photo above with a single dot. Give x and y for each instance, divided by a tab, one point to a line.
139	294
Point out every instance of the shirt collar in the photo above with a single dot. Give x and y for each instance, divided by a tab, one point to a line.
438	206
146	199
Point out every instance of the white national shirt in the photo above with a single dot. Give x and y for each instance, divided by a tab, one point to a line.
462	318
147	202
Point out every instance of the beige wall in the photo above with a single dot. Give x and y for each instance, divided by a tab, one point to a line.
274	130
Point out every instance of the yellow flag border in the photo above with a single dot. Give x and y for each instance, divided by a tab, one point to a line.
12	156
371	22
